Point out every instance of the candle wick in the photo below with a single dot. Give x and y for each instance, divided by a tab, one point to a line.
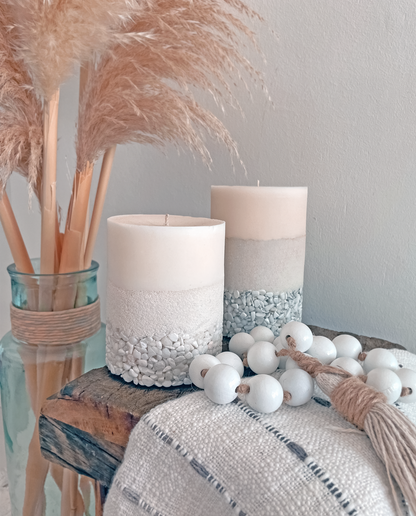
167	219
258	182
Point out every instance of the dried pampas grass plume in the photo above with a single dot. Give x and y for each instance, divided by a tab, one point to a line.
56	35
141	91
21	138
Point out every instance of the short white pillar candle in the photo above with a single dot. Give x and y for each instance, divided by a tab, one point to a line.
264	254
164	295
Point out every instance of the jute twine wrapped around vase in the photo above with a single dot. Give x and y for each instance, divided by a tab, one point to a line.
392	435
51	340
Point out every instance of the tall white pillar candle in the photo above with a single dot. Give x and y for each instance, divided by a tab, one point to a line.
264	254
164	295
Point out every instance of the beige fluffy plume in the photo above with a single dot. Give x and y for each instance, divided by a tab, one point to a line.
141	91
21	138
56	35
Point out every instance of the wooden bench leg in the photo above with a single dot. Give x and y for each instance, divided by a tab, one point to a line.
100	496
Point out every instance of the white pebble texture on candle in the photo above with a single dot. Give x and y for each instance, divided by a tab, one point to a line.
152	337
273	265
244	310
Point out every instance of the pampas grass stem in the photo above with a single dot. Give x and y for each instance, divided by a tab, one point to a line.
14	237
72	258
48	199
103	181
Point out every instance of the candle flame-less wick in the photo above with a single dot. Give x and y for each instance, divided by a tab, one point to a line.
167	219
258	182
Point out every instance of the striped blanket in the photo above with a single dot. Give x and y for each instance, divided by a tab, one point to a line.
190	457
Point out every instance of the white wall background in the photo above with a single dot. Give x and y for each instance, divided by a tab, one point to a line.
342	75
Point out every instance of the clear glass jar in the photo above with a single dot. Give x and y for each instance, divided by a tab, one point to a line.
23	370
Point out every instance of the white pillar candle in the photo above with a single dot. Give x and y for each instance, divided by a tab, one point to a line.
264	254
164	295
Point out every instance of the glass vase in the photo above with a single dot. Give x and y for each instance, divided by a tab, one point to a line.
30	372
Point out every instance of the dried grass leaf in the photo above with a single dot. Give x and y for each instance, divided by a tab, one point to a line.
56	35
142	91
21	138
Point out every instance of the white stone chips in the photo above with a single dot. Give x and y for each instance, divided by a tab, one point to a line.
161	361
152	337
244	310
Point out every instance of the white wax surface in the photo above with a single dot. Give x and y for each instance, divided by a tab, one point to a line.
146	255
260	212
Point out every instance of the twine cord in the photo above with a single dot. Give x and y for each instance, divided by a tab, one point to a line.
392	435
243	388
291	342
55	328
406	391
286	396
245	362
310	364
354	400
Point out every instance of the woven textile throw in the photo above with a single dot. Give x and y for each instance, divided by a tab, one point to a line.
190	457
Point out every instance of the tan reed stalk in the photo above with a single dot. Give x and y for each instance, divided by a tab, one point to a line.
23	264
70	495
49	373
48	369
77	214
14	236
37	467
83	77
58	244
57	473
48	199
103	181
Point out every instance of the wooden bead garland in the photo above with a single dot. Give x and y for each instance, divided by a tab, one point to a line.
364	400
263	358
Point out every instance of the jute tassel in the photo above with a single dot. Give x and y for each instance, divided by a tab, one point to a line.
392	435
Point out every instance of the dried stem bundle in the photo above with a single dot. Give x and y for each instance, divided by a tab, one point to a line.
140	91
148	57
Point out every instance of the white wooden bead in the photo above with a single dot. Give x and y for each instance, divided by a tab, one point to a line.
347	346
348	364
261	333
380	357
299	384
262	358
240	343
278	345
323	349
291	364
220	383
233	360
266	393
300	332
199	363
386	381
408	379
